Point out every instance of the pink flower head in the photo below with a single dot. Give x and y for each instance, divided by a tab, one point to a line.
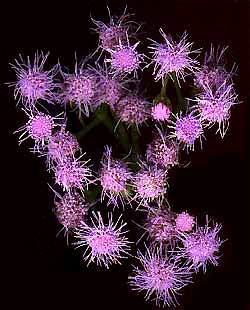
150	184
171	56
79	88
114	176
184	222
201	246
61	145
106	243
160	112
214	107
187	129
39	128
213	72
161	275
71	173
133	109
70	210
33	82
162	151
125	59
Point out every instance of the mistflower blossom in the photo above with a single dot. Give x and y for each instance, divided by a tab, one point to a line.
71	173
213	72
106	244
125	59
70	210
162	151
161	227
187	129
33	82
149	184
114	176
61	145
132	109
160	275
172	56
39	128
201	246
214	107
79	88
184	222
160	112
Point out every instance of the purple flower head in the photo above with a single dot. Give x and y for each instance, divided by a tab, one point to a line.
214	107
201	246
173	56
125	59
160	112
187	129
161	226
33	82
213	72
39	128
162	151
106	243
70	210
116	31
71	173
150	184
133	109
79	88
161	275
114	176
184	222
61	145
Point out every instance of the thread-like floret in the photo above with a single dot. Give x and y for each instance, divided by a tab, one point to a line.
172	56
114	176
160	275
33	82
160	112
184	222
106	243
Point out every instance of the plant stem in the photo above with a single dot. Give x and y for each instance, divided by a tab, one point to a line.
181	105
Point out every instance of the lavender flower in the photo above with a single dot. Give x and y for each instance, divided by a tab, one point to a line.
171	56
184	222
106	243
160	112
33	82
114	176
161	275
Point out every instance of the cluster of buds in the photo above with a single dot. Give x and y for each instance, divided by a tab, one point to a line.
108	91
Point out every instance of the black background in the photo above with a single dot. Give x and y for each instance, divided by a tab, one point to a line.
216	183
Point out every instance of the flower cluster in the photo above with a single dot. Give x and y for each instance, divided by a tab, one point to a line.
136	167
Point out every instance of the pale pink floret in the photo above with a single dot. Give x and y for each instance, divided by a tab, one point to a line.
106	243
184	222
160	112
161	275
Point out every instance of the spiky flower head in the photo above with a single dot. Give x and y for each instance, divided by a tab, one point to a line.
184	222
125	59
161	275
171	56
61	145
162	151
39	128
161	227
187	129
160	112
214	106
79	88
213	72
106	242
150	184
114	176
70	210
201	246
71	173
33	82
133	109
